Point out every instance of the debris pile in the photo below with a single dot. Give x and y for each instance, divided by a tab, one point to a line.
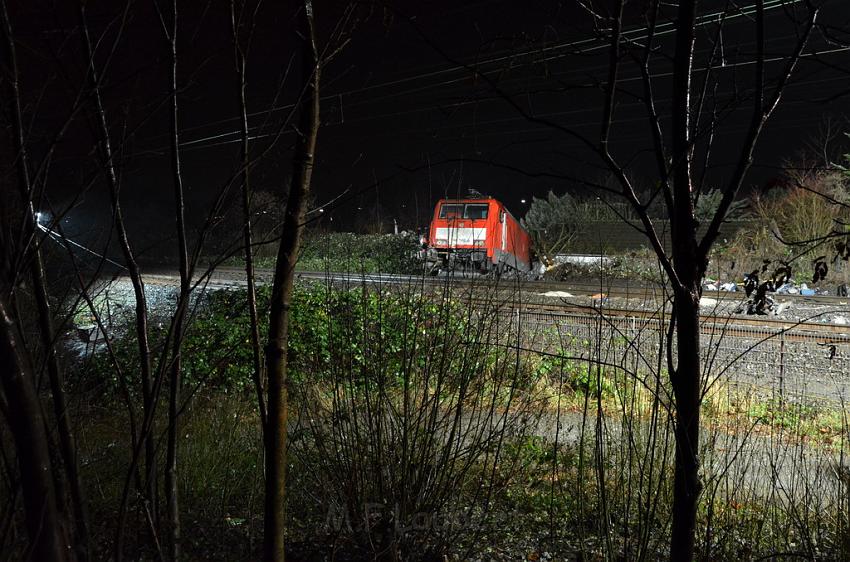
761	295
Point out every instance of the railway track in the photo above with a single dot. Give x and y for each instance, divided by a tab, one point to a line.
803	360
581	297
733	326
596	294
614	288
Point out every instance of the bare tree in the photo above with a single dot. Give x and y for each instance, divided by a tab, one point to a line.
107	156
662	48
674	151
172	491
159	361
241	45
281	302
46	526
46	521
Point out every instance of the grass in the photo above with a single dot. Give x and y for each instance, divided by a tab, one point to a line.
587	473
822	424
544	499
220	474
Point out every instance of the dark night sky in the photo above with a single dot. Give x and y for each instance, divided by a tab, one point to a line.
398	109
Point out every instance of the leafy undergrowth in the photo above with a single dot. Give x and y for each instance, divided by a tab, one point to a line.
546	501
345	252
418	432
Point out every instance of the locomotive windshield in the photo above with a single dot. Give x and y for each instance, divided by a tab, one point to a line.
451	211
475	212
457	211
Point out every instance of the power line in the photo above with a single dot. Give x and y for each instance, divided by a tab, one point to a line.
195	145
60	237
663	29
618	139
668	28
424	109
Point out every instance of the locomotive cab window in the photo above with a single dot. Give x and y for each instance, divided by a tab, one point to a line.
448	211
475	212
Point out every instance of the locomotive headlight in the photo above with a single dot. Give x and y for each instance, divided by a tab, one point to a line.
478	243
441	242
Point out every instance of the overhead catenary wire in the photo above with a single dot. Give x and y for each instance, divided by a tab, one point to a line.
197	144
584	46
62	239
408	92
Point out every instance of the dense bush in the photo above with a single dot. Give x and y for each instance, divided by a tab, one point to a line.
400	400
793	223
417	396
419	432
333	327
349	252
553	223
360	253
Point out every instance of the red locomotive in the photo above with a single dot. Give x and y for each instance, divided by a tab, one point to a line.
479	232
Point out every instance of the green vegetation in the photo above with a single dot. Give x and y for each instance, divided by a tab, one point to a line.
553	223
336	328
357	253
418	428
361	253
794	222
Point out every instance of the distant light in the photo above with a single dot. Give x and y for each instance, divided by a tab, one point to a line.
38	216
522	201
321	210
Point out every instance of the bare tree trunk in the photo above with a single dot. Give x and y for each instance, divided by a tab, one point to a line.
687	391
48	539
685	266
67	446
107	156
686	378
172	490
276	351
247	234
